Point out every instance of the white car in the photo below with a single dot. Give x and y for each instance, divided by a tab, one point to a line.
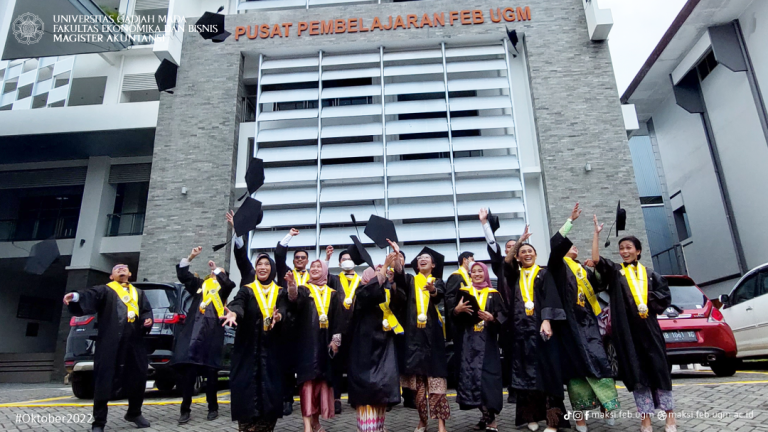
746	311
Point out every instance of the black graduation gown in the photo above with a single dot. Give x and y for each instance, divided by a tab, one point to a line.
373	375
452	286
639	342
312	358
480	381
345	315
255	378
582	351
120	351
497	266
201	339
535	363
423	348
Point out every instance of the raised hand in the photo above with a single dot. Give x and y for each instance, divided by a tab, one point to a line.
289	278
293	232
576	212
230	318
195	252
483	215
394	246
69	297
589	263
526	235
211	265
598	226
230	218
328	252
486	316
462	307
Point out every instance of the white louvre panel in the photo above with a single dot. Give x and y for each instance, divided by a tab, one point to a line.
482	122
288	115
289	218
414	87
151	4
426	231
289	78
284	154
484	142
474	51
353	91
419	167
342	214
269	239
420	189
418	69
416	126
352	170
412	55
340	236
64	65
487	185
271	4
132	173
472	207
27	78
509	227
280	197
74	176
410	107
288	95
43	87
421	210
480	249
338	151
351	59
476	66
447	249
480	103
478	84
58	94
290	174
348	193
352	111
136	82
299	133
488	163
432	145
351	73
289	63
365	129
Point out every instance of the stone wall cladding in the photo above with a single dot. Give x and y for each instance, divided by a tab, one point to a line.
575	102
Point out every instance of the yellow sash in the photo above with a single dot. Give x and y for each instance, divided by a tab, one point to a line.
422	301
266	297
350	286
585	288
390	321
526	287
322	297
482	299
638	284
130	297
464	275
300	278
211	289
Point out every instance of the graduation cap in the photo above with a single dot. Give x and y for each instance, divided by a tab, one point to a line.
247	217
468	297
620	223
358	253
493	220
215	26
379	230
254	177
165	76
512	35
41	256
437	258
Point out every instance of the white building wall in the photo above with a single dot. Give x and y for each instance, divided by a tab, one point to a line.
754	26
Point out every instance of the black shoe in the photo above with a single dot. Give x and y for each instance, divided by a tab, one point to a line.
139	421
287	408
97	429
213	415
184	418
511	398
337	406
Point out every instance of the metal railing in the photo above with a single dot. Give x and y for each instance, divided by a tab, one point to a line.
125	224
62	227
670	261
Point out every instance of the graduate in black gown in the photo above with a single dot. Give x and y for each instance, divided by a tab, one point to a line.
120	362
198	348
374	379
478	316
316	309
637	296
255	377
424	367
585	367
535	355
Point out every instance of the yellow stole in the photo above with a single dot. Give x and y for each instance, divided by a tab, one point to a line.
464	275
322	297
350	286
300	278
422	301
638	284
482	299
526	287
585	288
266	297
390	321
128	296
211	289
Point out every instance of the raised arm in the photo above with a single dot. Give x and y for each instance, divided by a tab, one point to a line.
560	244
247	272
86	302
281	252
190	282
596	240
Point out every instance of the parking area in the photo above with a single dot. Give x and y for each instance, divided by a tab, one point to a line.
704	402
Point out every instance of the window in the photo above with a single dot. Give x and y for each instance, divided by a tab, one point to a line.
745	291
706	65
681	223
762	288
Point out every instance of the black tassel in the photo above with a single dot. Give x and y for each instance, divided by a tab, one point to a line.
218	247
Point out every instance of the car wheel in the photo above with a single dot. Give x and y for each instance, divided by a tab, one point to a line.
613	358
165	385
723	368
82	385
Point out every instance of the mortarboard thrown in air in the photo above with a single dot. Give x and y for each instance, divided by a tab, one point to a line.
42	255
493	221
247	217
165	76
621	219
379	230
254	177
437	258
358	253
214	26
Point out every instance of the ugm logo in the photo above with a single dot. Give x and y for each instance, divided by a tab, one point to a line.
28	28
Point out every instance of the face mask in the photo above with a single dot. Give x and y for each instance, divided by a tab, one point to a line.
347	265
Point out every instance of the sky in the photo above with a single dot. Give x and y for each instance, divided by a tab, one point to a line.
637	27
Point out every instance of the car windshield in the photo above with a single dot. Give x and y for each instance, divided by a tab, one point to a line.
160	298
687	296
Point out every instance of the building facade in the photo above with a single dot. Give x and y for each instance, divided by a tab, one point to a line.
422	112
704	136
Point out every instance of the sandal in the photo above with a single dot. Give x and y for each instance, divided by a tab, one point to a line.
480	426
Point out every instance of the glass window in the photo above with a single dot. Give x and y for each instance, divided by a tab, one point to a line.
687	297
745	291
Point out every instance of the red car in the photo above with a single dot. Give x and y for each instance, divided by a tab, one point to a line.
694	330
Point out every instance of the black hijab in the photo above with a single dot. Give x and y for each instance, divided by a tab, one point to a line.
272	272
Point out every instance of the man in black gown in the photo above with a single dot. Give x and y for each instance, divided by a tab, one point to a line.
124	316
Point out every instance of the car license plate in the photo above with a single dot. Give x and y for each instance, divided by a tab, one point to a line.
680	336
